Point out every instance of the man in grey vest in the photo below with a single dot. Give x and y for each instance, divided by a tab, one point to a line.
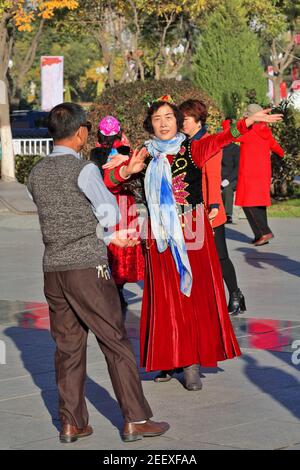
72	200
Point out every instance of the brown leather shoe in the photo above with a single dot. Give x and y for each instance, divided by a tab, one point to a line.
264	239
70	433
134	432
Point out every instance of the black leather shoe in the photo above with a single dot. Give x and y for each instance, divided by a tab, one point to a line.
192	379
229	220
236	303
164	376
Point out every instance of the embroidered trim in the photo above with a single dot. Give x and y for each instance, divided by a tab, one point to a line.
190	155
182	150
177	162
179	189
112	177
234	130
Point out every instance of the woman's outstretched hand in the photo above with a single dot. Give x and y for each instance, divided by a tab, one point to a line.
136	163
115	161
263	116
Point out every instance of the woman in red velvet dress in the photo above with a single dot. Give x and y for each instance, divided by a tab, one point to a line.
126	264
185	321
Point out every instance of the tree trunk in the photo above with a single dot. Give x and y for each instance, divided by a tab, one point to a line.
108	57
111	79
280	63
141	69
28	61
8	161
156	72
276	85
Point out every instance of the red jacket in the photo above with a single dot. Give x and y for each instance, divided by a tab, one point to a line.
211	186
254	176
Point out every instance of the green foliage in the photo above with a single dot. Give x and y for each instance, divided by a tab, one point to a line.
128	103
24	164
79	53
271	18
226	61
286	208
287	133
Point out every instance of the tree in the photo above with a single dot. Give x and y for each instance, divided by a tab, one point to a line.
104	23
166	26
151	36
226	63
287	132
18	15
27	60
276	22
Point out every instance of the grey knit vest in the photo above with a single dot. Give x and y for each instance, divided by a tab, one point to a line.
67	221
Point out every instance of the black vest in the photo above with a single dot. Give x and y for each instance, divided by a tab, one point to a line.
186	179
186	176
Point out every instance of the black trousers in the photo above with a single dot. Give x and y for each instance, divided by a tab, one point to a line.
228	196
228	270
79	301
257	218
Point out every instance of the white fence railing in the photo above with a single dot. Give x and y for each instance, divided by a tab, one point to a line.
32	146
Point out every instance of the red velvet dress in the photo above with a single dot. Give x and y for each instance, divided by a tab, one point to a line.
127	264
176	330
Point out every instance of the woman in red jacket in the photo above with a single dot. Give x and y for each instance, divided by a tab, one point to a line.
194	126
254	176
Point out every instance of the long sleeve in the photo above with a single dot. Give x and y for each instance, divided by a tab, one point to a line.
104	204
204	149
213	180
276	148
113	179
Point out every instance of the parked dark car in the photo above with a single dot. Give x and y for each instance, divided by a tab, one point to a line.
29	124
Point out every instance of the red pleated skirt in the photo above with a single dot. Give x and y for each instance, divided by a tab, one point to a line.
126	264
176	330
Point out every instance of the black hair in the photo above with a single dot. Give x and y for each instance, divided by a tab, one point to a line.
107	142
65	119
155	107
99	155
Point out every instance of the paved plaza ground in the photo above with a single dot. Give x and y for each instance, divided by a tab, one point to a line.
252	402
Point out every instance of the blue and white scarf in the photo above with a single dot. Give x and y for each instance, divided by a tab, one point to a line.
165	223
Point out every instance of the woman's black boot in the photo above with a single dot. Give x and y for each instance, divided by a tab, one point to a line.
192	379
236	303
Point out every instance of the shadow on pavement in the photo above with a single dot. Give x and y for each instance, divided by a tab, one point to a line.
281	262
279	385
237	236
37	353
